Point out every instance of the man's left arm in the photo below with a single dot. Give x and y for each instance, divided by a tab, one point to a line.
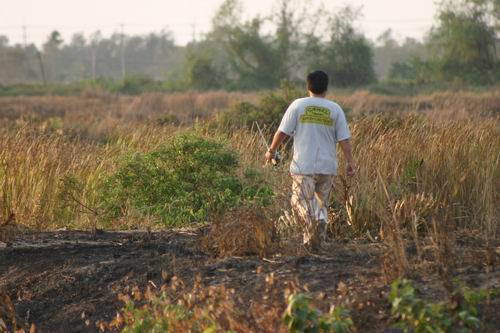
343	138
347	150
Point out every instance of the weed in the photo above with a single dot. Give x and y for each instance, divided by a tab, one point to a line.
416	315
300	318
177	308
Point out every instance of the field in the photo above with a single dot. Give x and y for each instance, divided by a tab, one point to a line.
108	201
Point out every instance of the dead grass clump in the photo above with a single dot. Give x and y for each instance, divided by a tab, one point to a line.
8	318
395	261
243	231
8	228
178	307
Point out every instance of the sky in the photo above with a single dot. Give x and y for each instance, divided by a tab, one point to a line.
407	18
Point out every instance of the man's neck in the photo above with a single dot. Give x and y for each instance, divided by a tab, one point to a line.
323	95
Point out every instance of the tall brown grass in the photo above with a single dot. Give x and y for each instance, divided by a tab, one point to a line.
423	158
455	161
449	104
34	164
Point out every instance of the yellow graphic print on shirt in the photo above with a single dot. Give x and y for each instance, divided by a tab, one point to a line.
316	115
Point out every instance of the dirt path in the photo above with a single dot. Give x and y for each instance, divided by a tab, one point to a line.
60	280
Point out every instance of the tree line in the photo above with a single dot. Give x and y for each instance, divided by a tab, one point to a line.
258	53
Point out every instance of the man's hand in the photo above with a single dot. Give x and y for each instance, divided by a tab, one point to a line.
351	169
269	157
272	155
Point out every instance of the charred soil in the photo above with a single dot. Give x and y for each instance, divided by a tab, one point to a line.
67	281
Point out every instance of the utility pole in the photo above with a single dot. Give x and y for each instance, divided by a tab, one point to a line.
124	69
25	44
42	68
25	36
93	62
193	27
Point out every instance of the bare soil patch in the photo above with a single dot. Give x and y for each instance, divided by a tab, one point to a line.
66	281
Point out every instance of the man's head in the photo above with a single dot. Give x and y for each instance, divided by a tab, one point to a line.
317	82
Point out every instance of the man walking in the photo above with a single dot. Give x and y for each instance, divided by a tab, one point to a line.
316	125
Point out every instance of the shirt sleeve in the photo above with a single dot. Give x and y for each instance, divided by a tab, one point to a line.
341	128
288	123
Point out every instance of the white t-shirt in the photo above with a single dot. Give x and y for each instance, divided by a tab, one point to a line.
316	125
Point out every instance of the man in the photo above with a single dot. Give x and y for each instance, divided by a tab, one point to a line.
316	125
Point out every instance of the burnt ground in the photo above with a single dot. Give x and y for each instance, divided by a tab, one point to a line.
66	281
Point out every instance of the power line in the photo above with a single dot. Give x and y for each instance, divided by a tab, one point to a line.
129	24
181	30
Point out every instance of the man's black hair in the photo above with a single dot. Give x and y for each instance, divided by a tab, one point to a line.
317	82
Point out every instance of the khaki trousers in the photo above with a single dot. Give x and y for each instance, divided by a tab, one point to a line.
310	198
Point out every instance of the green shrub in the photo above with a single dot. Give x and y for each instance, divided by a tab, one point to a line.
194	311
186	181
216	309
299	317
136	84
415	315
268	111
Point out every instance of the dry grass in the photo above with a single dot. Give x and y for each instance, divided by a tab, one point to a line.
423	158
244	231
419	158
447	105
8	228
8	316
95	116
202	308
34	163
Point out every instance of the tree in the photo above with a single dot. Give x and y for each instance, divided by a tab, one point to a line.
54	41
288	33
12	61
464	41
252	56
51	56
203	71
402	71
259	60
394	60
347	56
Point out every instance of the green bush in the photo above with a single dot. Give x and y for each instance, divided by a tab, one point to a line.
193	311
145	319
300	318
136	84
269	110
415	315
212	309
186	181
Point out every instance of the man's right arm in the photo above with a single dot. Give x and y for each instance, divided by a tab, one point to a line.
347	150
287	128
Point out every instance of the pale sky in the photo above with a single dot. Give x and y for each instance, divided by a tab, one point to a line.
406	17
